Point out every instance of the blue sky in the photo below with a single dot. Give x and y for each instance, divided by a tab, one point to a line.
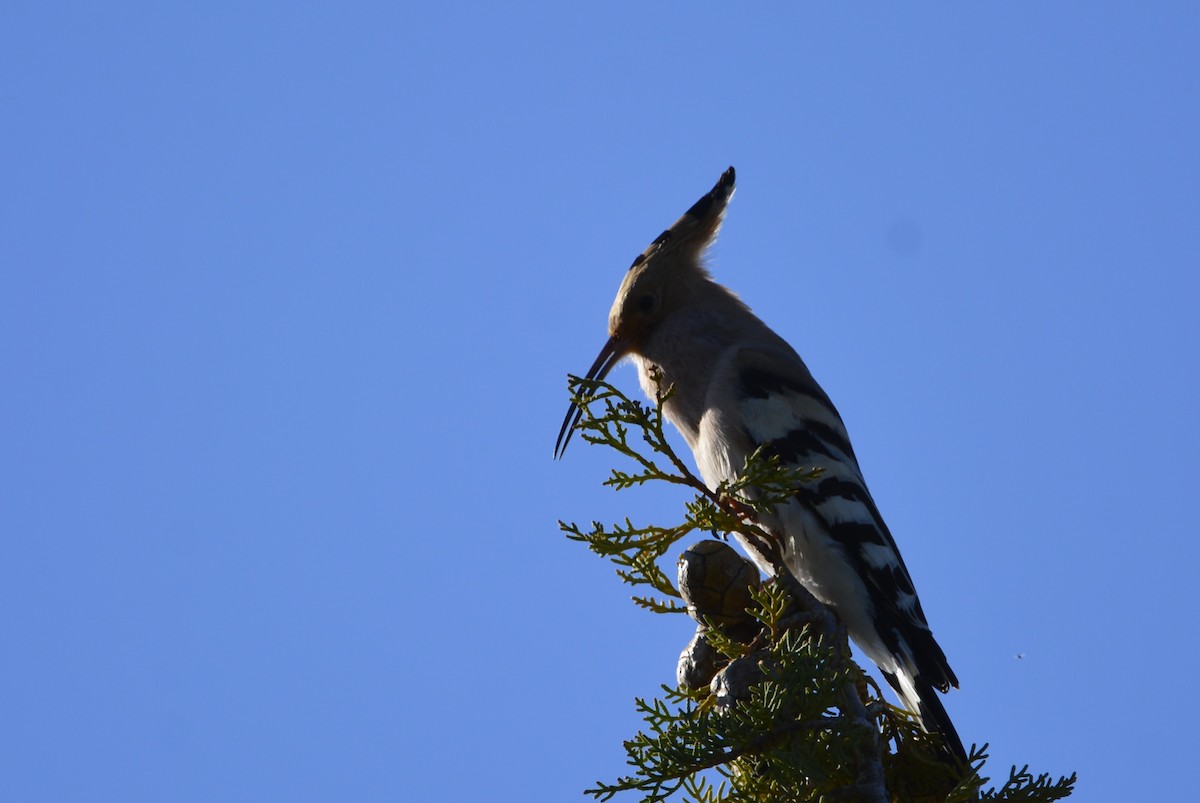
288	295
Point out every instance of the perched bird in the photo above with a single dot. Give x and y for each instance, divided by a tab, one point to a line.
739	385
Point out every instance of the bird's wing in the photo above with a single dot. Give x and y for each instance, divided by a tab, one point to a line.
781	405
841	547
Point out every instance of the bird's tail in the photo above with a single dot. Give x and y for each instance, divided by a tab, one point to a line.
920	697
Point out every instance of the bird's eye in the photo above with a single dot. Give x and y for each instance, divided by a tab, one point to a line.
647	302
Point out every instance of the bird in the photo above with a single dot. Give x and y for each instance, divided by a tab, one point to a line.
739	386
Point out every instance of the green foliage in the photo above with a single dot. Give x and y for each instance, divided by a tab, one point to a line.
764	745
790	717
1021	785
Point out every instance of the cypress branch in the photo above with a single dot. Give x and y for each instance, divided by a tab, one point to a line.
770	704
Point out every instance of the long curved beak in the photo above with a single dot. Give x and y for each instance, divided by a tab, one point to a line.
610	355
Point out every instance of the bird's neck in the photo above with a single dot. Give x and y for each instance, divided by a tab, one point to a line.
687	350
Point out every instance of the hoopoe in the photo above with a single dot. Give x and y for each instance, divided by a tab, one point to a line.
738	385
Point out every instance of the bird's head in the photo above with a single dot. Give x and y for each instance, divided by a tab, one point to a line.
660	280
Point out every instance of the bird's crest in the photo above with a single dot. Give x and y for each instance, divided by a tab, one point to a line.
670	271
698	227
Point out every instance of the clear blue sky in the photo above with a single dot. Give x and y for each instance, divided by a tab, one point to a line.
288	295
